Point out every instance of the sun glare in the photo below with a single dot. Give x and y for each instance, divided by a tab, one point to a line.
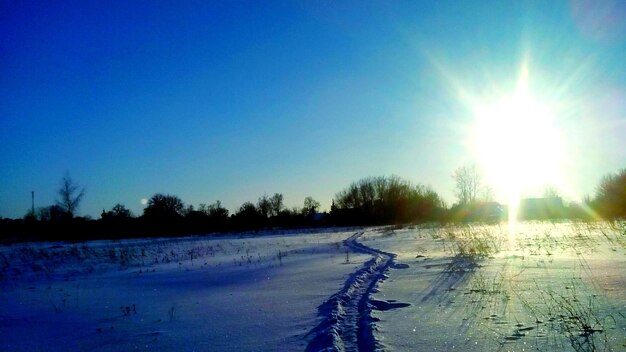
517	144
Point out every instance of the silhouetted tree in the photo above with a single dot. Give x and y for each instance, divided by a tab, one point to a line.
30	216
216	210
276	203
118	222
264	206
310	206
196	221
164	206
218	215
248	216
69	196
385	200
119	211
247	208
188	210
52	213
610	200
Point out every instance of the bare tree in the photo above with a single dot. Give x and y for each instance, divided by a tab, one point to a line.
468	183
120	211
487	194
70	195
551	192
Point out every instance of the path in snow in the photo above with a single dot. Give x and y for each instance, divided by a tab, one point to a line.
348	324
237	292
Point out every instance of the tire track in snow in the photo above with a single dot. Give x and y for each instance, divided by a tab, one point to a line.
348	324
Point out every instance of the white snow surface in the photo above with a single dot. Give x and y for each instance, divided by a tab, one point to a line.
254	292
539	286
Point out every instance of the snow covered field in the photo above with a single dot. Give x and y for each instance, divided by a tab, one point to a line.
546	287
541	286
226	293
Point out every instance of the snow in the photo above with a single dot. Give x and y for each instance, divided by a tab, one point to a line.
248	293
541	286
548	287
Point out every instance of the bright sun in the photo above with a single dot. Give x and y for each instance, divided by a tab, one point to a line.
517	143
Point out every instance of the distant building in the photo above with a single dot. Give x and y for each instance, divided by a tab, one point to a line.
487	211
541	208
478	211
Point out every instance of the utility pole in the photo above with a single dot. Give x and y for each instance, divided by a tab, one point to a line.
32	202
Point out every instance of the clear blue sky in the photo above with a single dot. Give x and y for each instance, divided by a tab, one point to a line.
230	100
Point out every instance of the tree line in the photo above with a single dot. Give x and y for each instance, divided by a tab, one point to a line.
370	201
387	200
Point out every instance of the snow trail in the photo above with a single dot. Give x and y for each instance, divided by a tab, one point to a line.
348	324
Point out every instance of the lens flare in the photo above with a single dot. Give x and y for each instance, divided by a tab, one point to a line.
518	144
